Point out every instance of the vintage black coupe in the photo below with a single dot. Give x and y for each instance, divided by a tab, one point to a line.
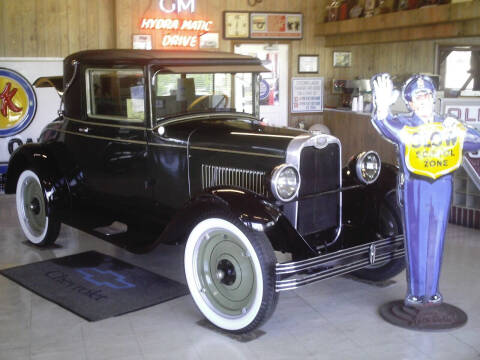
167	147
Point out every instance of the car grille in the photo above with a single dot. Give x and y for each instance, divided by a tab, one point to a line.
320	172
222	176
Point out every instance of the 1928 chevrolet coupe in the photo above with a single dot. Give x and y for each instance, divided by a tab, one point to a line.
167	147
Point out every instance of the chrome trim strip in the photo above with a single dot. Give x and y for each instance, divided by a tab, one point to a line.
206	116
294	151
291	284
385	249
107	125
243	178
292	267
237	152
168	145
100	137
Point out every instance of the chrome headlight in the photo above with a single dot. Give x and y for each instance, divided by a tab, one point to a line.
285	182
368	167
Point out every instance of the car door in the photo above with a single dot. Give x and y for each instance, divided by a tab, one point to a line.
109	144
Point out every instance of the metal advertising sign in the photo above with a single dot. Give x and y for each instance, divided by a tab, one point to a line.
18	103
433	150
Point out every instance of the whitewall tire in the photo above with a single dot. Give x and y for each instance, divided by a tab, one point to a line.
230	272
39	228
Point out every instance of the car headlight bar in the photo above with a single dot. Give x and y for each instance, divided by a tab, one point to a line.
285	182
368	167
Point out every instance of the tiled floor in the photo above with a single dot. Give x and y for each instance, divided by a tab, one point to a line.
334	319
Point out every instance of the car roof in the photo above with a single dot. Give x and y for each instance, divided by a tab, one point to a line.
160	57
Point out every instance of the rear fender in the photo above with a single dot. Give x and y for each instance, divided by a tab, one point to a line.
252	210
37	157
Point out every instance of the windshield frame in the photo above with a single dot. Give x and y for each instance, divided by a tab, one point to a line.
154	71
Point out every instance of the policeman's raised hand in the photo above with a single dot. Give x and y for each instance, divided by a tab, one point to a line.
384	94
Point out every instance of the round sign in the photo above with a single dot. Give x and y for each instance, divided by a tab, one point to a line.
18	102
264	89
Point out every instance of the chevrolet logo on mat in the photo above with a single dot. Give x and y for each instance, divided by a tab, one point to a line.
107	278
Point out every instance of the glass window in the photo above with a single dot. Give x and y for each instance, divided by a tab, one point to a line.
116	94
458	68
187	93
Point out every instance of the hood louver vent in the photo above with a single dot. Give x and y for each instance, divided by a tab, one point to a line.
221	176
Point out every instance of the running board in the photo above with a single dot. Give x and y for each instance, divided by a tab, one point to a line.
338	263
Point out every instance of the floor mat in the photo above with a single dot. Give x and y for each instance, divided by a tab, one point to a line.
95	286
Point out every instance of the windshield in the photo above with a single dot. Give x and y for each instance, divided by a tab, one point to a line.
219	92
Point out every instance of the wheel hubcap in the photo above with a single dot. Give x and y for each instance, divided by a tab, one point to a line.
226	276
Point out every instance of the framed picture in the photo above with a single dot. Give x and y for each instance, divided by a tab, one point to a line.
236	24
274	25
209	41
308	63
342	59
142	41
307	94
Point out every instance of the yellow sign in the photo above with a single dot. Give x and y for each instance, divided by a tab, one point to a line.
17	103
433	150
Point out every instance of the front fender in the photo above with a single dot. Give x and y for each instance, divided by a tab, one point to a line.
361	205
37	157
253	210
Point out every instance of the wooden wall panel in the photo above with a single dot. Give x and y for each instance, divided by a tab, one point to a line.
55	28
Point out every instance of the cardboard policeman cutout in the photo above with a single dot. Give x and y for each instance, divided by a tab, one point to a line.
430	149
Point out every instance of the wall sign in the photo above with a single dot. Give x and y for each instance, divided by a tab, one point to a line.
174	21
276	25
307	94
467	110
18	103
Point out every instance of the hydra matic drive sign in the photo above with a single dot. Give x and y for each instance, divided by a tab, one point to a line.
175	24
18	103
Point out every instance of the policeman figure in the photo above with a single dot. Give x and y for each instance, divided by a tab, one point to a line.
430	150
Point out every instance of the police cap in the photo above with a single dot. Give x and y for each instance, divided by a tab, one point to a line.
417	84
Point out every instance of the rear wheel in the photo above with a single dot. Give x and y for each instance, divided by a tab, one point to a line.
39	227
390	224
230	270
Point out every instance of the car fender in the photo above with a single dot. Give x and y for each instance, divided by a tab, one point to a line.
38	158
253	210
361	205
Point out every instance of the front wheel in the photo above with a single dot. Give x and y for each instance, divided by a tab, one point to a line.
230	270
39	227
389	224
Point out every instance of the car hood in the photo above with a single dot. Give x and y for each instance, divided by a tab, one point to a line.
243	136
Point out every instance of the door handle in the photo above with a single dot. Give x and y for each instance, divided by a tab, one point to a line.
84	130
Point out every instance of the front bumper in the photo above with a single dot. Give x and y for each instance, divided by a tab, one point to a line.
292	275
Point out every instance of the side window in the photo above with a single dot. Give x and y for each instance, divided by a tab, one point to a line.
116	94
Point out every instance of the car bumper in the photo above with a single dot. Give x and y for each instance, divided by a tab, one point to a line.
293	275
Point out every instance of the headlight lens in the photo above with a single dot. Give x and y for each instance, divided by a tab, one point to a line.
368	167
285	182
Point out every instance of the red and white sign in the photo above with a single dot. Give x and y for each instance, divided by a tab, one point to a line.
176	30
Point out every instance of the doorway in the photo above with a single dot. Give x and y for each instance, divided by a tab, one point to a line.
274	84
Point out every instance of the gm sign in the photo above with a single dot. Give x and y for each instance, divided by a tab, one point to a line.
170	6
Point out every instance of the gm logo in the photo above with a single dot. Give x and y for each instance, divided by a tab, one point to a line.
18	103
106	278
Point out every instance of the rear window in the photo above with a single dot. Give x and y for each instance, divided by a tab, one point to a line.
117	94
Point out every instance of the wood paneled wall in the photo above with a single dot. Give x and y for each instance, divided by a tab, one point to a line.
55	28
129	13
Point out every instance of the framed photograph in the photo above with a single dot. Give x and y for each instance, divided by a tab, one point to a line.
342	59
308	64
142	41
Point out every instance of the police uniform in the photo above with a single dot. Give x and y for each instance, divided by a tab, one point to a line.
425	200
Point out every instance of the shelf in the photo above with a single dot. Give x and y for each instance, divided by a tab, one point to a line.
440	21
